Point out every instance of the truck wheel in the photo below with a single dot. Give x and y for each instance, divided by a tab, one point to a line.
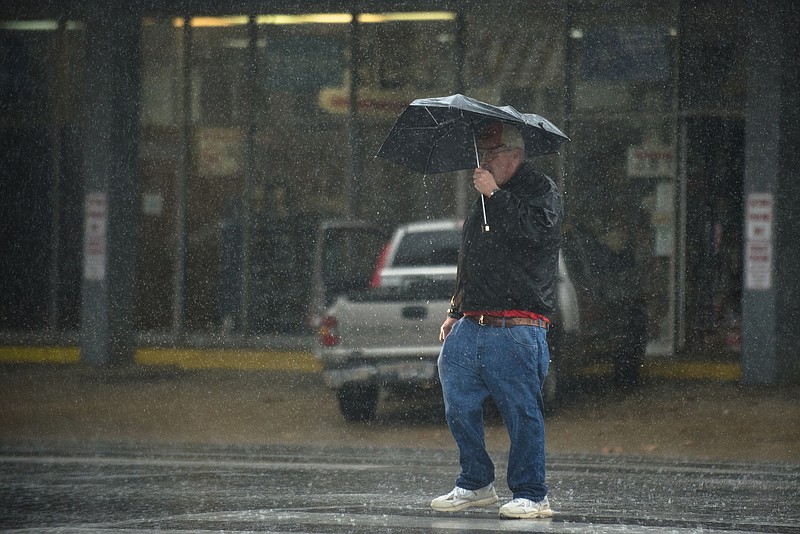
358	402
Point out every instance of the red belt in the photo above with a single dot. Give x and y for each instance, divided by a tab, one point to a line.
507	322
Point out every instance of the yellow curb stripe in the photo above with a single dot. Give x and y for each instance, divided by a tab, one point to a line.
250	360
694	370
40	354
265	360
597	369
721	372
304	361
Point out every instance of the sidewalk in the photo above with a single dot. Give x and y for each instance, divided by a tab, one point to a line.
684	419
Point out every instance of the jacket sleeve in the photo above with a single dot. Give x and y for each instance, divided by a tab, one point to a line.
531	217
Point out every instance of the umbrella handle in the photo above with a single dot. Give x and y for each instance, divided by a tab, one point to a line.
478	164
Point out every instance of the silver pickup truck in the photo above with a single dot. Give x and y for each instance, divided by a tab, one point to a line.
387	337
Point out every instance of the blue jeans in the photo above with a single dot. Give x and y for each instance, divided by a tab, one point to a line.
509	365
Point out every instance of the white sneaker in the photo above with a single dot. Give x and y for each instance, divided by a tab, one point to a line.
460	499
526	509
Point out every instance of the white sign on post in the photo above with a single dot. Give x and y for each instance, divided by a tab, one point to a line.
758	248
94	236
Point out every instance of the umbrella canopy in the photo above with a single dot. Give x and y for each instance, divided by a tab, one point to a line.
435	135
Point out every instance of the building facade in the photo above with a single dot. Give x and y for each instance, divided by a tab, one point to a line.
164	168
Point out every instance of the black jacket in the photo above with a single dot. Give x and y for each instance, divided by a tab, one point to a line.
514	266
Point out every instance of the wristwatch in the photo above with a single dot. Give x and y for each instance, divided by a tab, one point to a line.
495	190
453	313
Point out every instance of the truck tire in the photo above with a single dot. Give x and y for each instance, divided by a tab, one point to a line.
357	402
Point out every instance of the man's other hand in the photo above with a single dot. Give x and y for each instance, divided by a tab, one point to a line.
444	331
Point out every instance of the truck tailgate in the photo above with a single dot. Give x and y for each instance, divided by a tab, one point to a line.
390	328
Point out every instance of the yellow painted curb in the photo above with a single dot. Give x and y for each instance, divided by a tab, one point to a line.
304	361
721	372
271	360
266	360
39	354
726	372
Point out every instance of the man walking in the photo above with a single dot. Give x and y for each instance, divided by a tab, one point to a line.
494	338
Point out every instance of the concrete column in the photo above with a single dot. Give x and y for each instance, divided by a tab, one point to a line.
771	274
110	151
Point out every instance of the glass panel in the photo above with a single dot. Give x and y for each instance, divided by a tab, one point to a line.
428	248
520	66
301	160
715	180
627	211
160	162
714	57
71	192
620	191
404	57
624	68
28	154
216	182
714	94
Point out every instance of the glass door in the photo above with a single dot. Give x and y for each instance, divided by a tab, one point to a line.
622	163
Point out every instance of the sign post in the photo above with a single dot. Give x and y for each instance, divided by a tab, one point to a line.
110	151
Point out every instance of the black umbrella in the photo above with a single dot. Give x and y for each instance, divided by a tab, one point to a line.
435	135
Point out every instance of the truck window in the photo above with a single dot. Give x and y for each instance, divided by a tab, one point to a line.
348	258
428	249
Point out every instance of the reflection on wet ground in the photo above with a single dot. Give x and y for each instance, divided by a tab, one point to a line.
87	450
334	489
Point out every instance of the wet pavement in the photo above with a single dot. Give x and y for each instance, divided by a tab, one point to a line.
88	450
701	420
318	489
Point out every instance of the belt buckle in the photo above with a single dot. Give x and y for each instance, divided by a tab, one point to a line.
482	320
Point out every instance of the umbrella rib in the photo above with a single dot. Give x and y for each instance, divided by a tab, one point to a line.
431	114
443	126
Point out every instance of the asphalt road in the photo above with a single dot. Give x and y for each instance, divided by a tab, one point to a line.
88	450
334	489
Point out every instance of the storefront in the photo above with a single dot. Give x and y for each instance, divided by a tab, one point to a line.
256	126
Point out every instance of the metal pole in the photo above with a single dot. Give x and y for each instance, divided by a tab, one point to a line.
353	207
762	318
56	128
181	187
681	137
571	55
110	154
249	157
460	177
